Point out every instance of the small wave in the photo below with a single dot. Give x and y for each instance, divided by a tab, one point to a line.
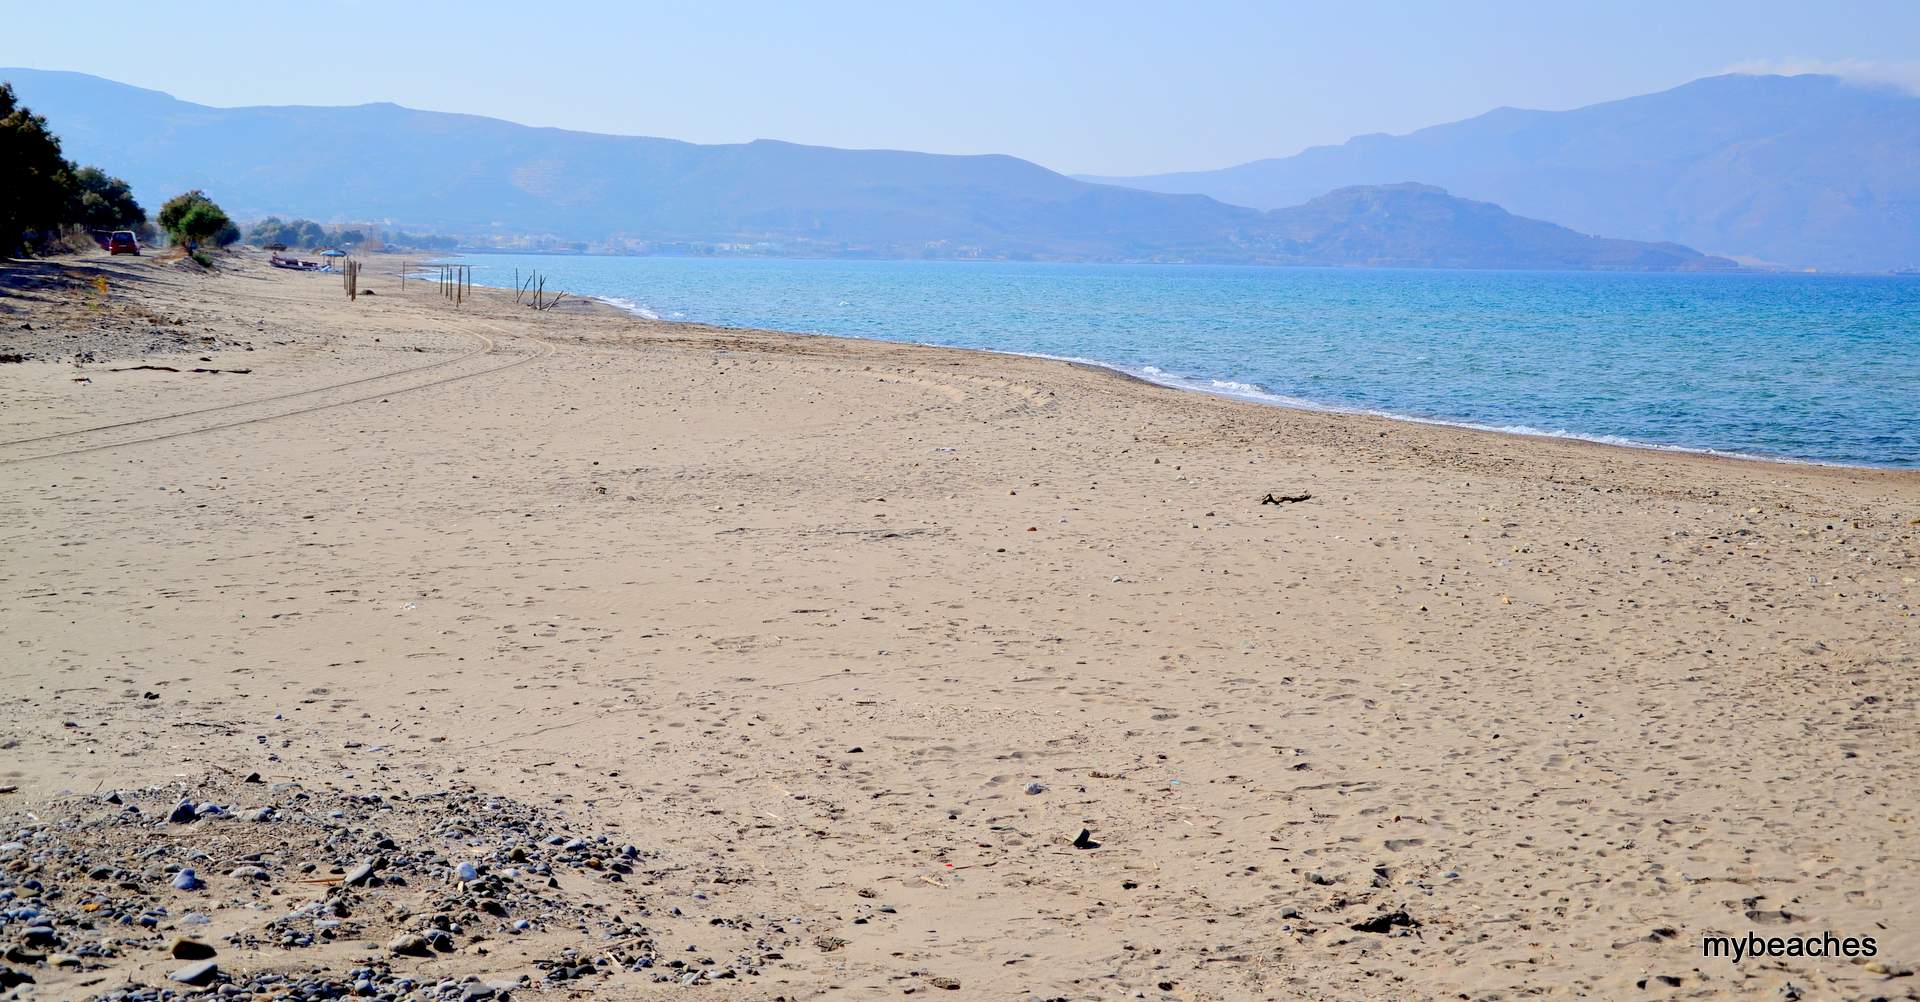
620	302
1258	394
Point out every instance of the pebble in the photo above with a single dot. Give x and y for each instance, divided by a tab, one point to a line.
394	850
410	945
191	949
198	975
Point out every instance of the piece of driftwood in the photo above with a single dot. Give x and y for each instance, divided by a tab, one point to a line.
1285	498
169	368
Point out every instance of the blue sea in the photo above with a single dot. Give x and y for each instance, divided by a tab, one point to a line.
1801	367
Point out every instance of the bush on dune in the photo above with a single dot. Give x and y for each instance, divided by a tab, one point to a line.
192	218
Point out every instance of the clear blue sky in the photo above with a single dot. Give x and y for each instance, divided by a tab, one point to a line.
1112	88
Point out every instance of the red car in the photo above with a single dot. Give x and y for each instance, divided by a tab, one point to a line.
123	242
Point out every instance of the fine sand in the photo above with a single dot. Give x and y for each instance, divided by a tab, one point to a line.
853	639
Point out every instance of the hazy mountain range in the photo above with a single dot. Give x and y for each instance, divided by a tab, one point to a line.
1421	226
475	176
1801	170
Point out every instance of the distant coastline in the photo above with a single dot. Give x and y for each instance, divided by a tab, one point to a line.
480	250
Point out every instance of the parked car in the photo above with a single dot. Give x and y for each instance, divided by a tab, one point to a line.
123	242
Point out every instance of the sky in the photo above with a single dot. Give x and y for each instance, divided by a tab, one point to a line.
1102	88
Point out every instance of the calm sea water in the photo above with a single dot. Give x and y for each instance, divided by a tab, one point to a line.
1795	367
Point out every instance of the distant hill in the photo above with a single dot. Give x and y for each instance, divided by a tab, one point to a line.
474	176
1421	226
1801	170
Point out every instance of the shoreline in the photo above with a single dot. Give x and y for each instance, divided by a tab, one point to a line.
1291	404
1771	465
1258	395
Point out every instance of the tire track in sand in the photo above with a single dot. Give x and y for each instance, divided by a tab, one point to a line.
484	346
547	351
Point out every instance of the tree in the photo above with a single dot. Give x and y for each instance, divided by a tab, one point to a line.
203	221
102	202
36	182
192	217
176	207
267	231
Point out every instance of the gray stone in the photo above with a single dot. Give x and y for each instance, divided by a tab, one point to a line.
409	945
198	975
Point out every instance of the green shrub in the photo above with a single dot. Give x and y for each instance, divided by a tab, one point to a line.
192	217
102	202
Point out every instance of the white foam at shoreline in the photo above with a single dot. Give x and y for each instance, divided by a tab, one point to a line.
628	305
1257	394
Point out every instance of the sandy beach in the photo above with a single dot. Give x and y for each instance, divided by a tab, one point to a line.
850	641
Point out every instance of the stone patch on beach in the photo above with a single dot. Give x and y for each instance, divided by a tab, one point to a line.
283	890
